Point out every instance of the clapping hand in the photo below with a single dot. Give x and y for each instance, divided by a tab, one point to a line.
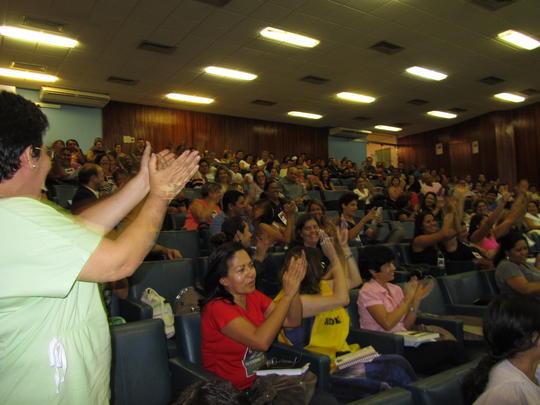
168	174
294	275
410	288
424	288
327	246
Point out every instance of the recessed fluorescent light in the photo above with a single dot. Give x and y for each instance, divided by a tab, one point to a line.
514	98
289	37
426	73
442	114
189	99
519	39
25	74
37	36
388	128
233	74
356	97
305	115
366	131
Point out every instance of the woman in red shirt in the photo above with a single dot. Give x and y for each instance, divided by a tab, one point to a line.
239	323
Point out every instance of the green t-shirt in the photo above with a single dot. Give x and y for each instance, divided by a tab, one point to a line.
46	315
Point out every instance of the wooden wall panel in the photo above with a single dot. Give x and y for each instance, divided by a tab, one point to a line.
509	146
169	128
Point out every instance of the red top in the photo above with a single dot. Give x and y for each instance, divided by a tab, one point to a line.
220	354
191	223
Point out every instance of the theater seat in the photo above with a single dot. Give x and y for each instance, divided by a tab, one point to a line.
441	389
188	340
140	369
395	396
187	242
464	289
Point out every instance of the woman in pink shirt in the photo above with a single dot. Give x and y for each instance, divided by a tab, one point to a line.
384	307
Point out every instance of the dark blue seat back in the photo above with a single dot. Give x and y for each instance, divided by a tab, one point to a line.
140	368
188	336
167	277
465	288
187	242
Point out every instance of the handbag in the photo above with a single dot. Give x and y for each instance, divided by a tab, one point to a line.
160	309
282	389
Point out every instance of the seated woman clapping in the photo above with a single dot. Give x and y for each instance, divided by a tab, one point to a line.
325	327
238	323
384	307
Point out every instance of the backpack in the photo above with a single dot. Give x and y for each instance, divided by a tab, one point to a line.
187	301
160	309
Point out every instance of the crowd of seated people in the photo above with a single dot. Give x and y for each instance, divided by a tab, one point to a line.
257	202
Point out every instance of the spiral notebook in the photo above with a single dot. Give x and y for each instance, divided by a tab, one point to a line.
364	355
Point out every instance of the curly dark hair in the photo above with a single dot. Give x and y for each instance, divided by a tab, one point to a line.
22	124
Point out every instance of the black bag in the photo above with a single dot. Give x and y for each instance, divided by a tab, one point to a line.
282	389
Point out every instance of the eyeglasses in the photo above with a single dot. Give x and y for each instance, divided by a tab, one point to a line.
45	150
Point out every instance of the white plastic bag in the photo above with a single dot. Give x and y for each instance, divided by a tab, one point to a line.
160	309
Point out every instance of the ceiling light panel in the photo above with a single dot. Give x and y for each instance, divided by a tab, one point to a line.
301	114
511	97
229	73
189	98
289	37
442	114
25	74
426	73
519	39
37	36
388	128
360	98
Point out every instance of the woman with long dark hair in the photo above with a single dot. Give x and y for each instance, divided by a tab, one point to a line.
238	322
512	272
509	374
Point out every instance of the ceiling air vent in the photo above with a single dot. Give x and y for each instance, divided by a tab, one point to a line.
265	103
457	110
361	118
28	66
417	101
217	3
491	80
43	24
155	47
122	80
493	5
314	79
75	97
530	92
386	47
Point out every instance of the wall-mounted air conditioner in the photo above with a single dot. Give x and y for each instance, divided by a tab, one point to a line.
349	133
75	97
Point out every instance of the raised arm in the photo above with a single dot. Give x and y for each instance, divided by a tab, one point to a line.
288	309
355	230
114	260
314	304
516	214
446	232
486	226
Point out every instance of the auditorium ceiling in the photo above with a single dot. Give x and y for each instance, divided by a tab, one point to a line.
457	37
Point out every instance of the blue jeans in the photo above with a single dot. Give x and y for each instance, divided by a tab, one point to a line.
383	372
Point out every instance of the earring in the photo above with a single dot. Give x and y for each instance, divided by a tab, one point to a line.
33	166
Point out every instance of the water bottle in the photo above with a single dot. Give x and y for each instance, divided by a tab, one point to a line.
440	260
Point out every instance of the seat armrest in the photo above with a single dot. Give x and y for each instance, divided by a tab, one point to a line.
471	310
319	363
384	343
134	310
184	373
453	326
